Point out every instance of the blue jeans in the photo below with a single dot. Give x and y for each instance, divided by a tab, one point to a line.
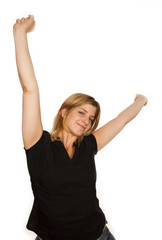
106	235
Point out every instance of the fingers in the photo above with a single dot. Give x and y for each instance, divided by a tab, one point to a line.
24	19
31	16
18	21
140	96
24	25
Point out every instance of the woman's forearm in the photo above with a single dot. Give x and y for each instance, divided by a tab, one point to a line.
23	59
132	111
24	63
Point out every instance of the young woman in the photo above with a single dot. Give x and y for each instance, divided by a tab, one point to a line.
61	163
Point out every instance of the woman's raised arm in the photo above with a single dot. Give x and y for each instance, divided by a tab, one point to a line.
31	116
106	133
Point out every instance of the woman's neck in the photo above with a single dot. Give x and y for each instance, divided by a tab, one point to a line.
67	139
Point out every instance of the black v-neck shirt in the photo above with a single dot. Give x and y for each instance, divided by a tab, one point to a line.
65	204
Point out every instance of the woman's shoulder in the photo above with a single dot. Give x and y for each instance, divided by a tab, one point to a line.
43	140
90	142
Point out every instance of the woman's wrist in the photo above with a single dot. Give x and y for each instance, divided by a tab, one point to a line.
18	32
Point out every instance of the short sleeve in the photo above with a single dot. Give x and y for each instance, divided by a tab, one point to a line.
92	143
38	152
44	140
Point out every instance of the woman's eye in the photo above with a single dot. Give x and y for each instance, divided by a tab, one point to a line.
81	112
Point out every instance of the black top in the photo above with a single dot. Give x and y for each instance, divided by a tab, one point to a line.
65	204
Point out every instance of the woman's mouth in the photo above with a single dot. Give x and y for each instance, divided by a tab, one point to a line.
81	126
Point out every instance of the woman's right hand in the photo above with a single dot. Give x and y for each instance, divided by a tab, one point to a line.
24	25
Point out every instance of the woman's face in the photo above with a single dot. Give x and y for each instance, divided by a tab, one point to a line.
80	119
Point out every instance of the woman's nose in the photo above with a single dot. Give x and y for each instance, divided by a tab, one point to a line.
86	120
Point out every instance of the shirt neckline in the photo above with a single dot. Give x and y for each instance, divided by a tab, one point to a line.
66	153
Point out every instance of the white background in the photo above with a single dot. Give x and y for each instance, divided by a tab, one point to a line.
110	50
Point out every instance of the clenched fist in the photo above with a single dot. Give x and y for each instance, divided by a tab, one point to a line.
24	25
142	98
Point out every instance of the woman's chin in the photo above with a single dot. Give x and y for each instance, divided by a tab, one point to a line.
79	133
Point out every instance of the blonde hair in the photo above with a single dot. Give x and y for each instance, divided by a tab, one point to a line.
75	100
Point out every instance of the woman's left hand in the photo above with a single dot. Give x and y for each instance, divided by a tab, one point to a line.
141	98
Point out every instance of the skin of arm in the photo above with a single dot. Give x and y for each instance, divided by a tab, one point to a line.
31	114
23	59
106	133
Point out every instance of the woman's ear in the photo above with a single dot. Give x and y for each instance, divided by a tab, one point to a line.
63	112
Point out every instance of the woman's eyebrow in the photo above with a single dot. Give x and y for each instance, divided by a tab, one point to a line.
87	112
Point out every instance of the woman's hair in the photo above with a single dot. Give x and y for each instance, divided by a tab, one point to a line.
75	100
